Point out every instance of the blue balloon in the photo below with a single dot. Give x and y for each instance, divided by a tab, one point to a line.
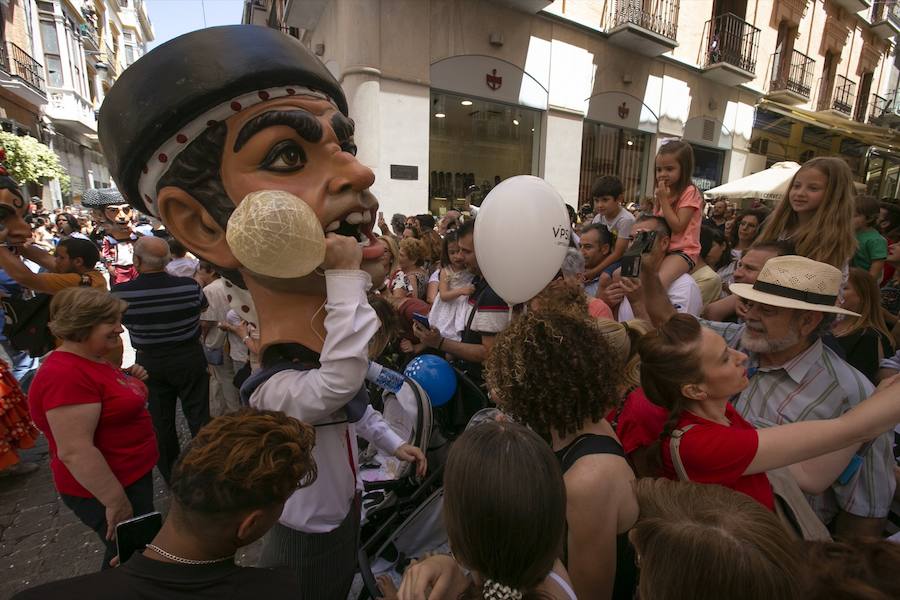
435	375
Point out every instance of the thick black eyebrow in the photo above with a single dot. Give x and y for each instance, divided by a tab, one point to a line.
343	127
306	126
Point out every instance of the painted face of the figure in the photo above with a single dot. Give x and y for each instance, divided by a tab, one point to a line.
12	217
304	146
118	214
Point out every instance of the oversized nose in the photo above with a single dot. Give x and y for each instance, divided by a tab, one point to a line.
350	175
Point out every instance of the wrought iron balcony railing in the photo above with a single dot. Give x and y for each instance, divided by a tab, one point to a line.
792	72
731	40
842	97
19	63
658	16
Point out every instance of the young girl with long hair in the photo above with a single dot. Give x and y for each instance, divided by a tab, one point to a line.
454	286
817	213
523	375
680	203
505	514
692	373
866	339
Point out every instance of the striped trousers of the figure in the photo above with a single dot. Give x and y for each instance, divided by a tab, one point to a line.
324	562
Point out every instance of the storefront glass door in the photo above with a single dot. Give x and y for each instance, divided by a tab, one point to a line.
474	145
608	150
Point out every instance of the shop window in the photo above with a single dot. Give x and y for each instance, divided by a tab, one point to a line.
607	150
474	145
708	164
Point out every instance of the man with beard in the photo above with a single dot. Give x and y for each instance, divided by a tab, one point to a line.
716	217
794	376
596	244
190	131
748	267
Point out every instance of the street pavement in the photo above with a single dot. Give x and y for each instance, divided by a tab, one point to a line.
41	540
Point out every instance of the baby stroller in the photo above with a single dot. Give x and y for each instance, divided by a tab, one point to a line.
392	492
403	519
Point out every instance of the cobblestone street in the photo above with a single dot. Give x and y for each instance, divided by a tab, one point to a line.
41	539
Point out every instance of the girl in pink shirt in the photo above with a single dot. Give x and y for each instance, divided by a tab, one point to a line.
678	201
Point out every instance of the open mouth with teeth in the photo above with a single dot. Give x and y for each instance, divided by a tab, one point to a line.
360	226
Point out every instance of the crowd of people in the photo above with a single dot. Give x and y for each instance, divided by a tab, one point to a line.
702	402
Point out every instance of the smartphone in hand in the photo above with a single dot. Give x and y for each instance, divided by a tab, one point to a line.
421	320
134	534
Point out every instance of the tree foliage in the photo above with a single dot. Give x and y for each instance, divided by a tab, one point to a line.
29	161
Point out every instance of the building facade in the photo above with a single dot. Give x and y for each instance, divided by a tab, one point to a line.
452	96
23	89
86	45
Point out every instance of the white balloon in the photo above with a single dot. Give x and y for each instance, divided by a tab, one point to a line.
521	237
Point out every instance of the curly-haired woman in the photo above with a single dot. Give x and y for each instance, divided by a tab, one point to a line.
556	373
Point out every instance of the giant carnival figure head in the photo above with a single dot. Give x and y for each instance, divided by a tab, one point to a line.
13	208
200	123
110	210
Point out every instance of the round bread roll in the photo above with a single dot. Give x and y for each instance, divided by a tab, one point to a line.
277	234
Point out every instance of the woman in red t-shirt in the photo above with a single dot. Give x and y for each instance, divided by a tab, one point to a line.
691	372
102	444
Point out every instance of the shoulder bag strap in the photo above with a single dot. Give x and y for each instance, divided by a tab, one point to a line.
474	310
674	445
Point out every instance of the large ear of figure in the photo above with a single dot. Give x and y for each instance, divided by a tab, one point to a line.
192	225
166	94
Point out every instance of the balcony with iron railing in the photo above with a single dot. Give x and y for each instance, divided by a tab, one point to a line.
89	35
853	6
26	75
841	99
731	47
648	27
885	110
885	18
792	75
111	61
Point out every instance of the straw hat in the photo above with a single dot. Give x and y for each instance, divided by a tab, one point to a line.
795	282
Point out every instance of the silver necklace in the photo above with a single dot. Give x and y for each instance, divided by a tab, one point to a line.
187	561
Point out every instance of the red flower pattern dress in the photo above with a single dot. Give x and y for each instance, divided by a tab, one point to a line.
16	429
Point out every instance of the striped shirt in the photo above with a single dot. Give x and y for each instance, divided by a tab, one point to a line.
817	384
163	310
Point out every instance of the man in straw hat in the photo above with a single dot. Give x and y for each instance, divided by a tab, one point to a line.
794	376
191	131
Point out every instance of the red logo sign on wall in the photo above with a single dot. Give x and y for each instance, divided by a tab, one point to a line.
494	81
623	111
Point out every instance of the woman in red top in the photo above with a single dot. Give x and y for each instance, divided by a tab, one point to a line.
691	372
102	444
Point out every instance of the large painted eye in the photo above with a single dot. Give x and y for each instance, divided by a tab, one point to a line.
286	156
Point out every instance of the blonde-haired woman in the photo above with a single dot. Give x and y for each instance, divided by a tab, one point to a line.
865	339
102	443
389	260
411	280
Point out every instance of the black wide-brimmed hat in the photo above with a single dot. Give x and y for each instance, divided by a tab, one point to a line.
177	83
101	197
